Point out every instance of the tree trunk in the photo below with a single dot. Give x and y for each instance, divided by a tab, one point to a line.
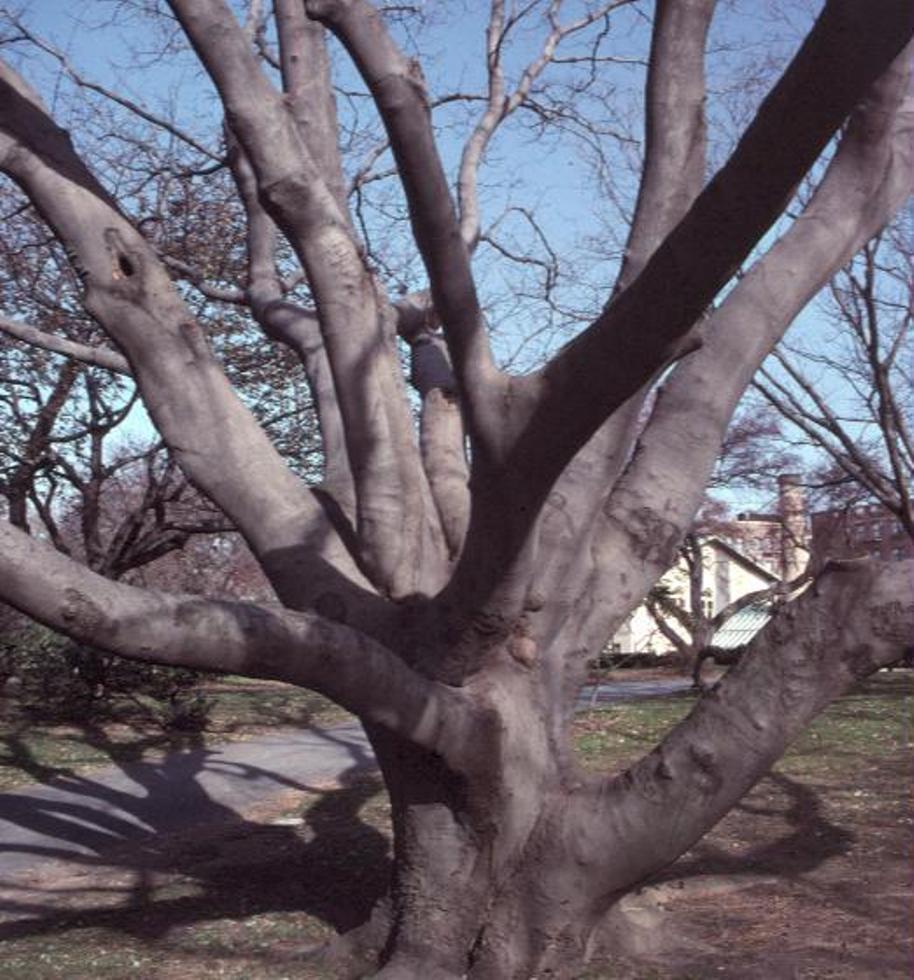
508	857
480	888
701	641
453	591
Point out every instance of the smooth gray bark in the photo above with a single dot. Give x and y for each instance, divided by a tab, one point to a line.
454	586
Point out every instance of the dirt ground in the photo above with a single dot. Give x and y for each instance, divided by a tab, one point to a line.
803	880
809	878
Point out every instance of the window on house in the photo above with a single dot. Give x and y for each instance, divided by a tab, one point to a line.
707	603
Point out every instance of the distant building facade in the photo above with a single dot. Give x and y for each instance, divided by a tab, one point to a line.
728	575
780	541
860	532
759	549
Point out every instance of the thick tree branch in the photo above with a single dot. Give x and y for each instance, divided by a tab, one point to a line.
673	171
567	522
655	500
442	439
399	93
236	637
297	328
647	325
396	518
855	618
213	436
305	68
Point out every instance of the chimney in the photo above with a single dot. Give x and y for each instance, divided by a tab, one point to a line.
794	538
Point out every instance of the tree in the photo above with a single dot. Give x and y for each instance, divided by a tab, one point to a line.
751	452
450	589
68	471
848	394
117	511
690	626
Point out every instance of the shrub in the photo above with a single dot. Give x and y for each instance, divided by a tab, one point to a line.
55	679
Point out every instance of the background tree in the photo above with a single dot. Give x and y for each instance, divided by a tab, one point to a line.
752	458
116	511
71	471
452	599
847	392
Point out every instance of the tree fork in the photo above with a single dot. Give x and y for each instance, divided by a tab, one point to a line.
586	840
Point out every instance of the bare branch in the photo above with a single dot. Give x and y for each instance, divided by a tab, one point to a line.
845	453
222	294
825	421
442	439
744	724
648	325
399	92
865	183
868	438
86	353
145	114
214	437
777	590
674	148
659	611
295	327
549	266
238	637
305	69
392	493
18	484
501	103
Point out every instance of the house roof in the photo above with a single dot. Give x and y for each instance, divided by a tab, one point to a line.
740	628
744	560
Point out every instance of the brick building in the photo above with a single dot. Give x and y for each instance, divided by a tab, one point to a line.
778	542
858	532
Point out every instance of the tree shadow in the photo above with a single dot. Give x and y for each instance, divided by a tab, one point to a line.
812	841
145	847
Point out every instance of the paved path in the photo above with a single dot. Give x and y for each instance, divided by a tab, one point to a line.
78	819
630	691
82	817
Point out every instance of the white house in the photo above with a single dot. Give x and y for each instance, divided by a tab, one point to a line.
728	575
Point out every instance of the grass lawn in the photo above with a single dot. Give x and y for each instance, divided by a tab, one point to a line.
808	878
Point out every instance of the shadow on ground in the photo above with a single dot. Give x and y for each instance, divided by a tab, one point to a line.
812	839
806	861
148	850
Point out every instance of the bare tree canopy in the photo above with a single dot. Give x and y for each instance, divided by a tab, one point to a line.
850	398
468	548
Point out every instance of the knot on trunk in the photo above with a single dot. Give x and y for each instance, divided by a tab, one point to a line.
83	617
523	650
127	265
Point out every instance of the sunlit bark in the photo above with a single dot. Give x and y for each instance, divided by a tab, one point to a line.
455	573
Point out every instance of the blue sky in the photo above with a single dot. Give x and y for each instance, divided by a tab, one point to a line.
555	178
552	177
